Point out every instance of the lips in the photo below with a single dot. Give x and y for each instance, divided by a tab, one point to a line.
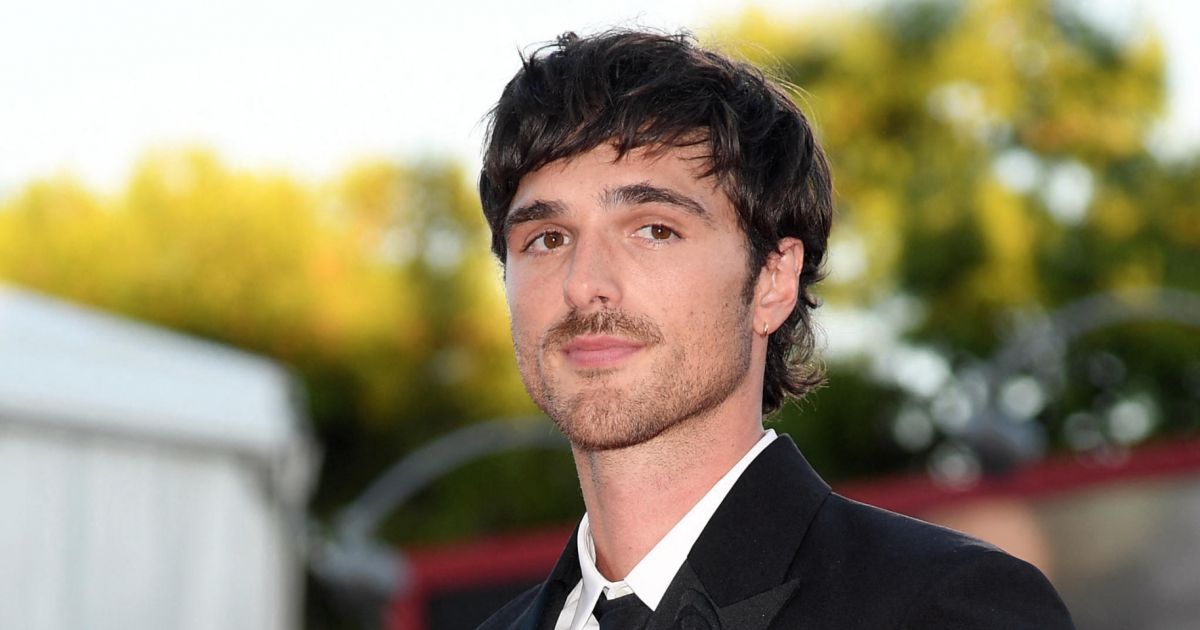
599	351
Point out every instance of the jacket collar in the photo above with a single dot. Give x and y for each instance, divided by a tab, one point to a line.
552	594
752	539
739	563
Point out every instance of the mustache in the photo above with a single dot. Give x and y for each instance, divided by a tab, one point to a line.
618	323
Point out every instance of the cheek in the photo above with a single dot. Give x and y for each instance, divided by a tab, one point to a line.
696	298
516	288
715	273
527	301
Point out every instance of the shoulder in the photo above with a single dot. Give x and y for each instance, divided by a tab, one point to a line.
990	589
889	570
512	611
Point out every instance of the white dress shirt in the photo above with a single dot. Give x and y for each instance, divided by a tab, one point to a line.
648	581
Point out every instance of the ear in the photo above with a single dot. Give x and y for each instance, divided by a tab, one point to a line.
778	285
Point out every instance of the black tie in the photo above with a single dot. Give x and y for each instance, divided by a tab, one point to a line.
622	613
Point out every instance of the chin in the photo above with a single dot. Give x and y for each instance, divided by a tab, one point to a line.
615	408
603	419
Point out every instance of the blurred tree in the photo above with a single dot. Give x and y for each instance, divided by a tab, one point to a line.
989	157
378	288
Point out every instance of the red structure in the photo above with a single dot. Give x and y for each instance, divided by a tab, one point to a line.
1140	511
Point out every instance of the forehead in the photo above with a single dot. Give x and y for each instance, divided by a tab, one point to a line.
682	169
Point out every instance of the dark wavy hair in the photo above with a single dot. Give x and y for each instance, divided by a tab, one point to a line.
635	89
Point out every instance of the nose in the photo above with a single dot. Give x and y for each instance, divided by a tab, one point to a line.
592	281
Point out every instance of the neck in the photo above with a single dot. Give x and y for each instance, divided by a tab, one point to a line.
635	495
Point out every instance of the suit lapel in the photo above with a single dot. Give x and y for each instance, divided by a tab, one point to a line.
736	575
542	612
687	604
741	560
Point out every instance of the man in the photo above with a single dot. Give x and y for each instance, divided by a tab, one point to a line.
662	213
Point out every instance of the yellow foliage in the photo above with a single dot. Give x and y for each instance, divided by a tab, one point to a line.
1184	223
1008	275
1116	216
878	219
1142	271
302	272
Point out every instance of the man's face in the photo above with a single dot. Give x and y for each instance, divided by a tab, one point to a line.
625	284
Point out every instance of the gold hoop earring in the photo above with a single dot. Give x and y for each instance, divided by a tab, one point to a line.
765	333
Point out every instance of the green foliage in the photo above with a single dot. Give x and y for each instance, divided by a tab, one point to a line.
377	288
988	157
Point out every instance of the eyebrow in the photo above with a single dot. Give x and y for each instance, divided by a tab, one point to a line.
629	194
645	192
536	211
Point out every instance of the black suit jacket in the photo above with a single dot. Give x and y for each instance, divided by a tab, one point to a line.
783	551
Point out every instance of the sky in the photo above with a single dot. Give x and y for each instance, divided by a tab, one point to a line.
87	87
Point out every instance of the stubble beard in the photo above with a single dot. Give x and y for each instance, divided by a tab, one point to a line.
687	379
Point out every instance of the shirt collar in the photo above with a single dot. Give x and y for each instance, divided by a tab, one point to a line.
652	575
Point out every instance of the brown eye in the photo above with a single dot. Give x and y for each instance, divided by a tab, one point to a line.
547	241
657	233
